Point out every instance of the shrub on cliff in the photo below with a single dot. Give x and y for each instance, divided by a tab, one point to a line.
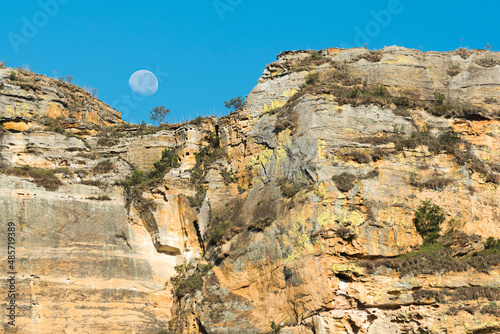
312	78
492	245
289	187
41	177
104	167
205	156
372	56
235	103
344	181
448	141
189	279
439	258
435	183
189	285
428	219
159	114
487	62
168	160
139	178
439	97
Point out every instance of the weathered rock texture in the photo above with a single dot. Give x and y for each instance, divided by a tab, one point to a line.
25	97
266	237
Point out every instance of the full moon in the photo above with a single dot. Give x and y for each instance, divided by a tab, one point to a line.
143	82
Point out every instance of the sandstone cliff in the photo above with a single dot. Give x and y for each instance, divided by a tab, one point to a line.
290	215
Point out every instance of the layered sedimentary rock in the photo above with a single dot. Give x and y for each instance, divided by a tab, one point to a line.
278	217
26	97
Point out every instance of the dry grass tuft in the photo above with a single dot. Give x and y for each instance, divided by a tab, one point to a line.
41	177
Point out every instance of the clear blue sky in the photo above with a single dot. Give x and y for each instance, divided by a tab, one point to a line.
216	50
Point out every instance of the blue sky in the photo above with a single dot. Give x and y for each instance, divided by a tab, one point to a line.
208	51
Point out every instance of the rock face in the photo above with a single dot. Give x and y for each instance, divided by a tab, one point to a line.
25	97
287	216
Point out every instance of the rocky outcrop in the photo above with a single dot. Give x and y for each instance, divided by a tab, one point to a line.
26	97
286	216
299	271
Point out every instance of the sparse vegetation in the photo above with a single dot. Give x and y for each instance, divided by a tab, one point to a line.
217	231
344	181
435	183
260	224
490	100
197	200
140	179
312	78
100	198
448	142
275	329
196	121
227	176
189	285
287	272
206	156
53	125
356	155
92	91
460	294
454	70
439	97
289	187
372	56
402	111
235	103
438	257
379	153
430	258
94	183
492	245
491	309
112	133
41	177
263	216
347	89
169	159
68	78
107	142
464	53
189	279
487	62
315	55
104	167
315	59
345	233
232	220
159	114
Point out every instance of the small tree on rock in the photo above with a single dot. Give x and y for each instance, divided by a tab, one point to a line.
235	103
158	114
428	219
